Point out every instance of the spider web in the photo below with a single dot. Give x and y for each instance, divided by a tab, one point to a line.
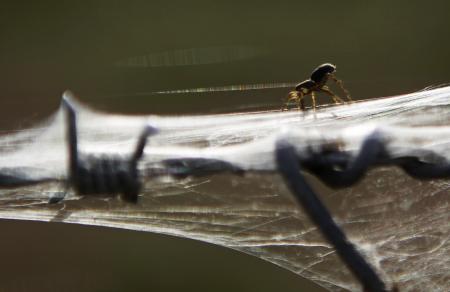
400	224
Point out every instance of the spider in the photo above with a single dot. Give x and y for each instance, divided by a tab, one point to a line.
316	83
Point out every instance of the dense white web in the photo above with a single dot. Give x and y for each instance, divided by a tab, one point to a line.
400	224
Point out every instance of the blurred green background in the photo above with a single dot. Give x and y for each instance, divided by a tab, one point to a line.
113	53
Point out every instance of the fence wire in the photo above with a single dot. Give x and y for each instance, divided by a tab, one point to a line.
215	178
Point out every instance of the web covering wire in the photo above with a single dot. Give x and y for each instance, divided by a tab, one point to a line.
400	224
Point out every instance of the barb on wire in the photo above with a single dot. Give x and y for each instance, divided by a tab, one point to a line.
338	169
288	166
93	174
102	175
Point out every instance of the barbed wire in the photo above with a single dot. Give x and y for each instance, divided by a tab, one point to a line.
118	175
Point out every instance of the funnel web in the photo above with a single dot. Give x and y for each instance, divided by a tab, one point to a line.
399	223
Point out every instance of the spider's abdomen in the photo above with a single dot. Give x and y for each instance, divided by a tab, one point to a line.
320	74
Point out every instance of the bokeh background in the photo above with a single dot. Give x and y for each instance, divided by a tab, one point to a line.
113	54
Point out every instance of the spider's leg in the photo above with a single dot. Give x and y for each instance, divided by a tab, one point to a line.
313	97
335	98
302	104
289	166
293	95
341	86
300	101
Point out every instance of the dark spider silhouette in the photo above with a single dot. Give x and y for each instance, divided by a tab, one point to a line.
317	83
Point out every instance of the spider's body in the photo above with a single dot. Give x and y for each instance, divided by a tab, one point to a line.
321	74
317	83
